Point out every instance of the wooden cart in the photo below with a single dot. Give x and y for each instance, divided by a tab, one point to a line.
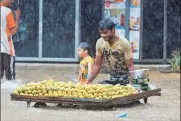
89	102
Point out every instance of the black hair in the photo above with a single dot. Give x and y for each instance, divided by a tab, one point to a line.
106	24
84	46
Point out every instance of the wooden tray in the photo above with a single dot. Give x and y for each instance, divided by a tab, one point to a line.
82	101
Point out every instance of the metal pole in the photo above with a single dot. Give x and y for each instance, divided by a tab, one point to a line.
77	27
103	8
141	30
127	19
40	28
165	32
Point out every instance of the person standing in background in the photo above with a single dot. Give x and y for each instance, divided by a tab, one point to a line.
9	27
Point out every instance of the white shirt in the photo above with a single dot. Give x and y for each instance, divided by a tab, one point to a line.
7	23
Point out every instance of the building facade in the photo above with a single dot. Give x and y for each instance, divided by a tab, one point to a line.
50	30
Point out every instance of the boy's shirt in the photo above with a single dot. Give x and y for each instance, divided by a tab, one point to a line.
86	66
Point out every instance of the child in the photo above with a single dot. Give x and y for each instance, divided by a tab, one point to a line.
86	64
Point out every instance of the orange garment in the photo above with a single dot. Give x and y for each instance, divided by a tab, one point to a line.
86	66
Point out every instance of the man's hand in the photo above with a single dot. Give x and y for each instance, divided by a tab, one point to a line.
96	69
88	82
18	13
130	64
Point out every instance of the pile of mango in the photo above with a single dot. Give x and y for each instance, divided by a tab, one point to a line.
52	88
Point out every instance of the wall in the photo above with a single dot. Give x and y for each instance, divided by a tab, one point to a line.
174	26
153	22
153	29
91	14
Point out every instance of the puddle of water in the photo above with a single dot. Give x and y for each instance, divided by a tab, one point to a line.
73	78
10	85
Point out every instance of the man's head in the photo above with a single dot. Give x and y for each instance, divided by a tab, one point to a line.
7	3
83	49
106	29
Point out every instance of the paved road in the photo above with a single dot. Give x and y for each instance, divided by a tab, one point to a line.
164	108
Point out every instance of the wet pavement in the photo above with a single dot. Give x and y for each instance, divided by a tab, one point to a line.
164	108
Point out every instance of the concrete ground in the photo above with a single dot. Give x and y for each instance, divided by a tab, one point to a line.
164	108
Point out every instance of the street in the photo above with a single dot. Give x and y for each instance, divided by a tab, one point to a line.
164	108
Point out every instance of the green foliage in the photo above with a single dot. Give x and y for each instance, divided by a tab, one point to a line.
175	62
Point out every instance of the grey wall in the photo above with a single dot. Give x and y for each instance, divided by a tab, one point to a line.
59	28
174	26
91	14
153	21
28	45
153	29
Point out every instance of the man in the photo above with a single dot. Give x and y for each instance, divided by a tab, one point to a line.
8	28
116	52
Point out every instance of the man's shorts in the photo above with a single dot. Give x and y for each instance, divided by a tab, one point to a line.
7	66
123	79
114	81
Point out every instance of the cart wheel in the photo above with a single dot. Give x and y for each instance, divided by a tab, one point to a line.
145	100
110	106
28	103
59	105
